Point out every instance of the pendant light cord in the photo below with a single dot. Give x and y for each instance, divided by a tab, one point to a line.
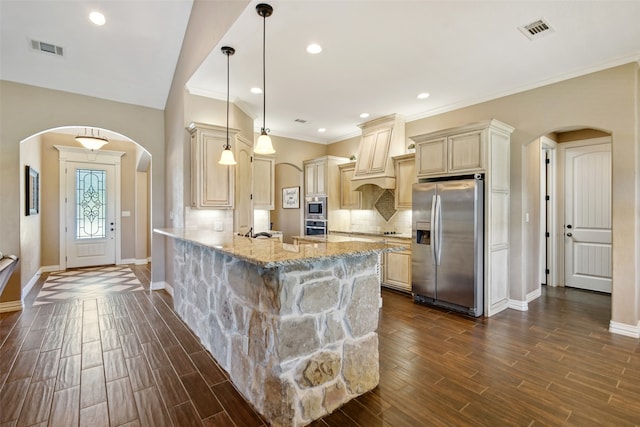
264	73
228	145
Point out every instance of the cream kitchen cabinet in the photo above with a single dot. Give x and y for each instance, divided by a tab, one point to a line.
396	267
454	154
349	199
478	148
212	184
374	151
263	182
405	178
321	176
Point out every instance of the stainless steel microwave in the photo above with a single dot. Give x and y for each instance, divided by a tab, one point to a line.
315	207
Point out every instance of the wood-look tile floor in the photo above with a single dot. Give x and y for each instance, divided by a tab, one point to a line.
127	359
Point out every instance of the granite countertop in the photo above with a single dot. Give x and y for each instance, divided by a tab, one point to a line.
338	238
271	253
380	236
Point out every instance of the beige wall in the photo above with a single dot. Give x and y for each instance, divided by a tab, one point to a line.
26	111
30	226
289	221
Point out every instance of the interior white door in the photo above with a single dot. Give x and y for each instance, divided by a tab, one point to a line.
588	217
90	214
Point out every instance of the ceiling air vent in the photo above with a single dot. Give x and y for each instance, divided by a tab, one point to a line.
300	121
47	48
537	29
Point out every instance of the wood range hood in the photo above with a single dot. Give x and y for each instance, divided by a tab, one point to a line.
382	138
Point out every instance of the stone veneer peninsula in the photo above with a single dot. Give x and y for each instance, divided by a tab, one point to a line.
294	326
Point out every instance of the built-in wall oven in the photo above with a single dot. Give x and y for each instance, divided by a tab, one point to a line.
315	227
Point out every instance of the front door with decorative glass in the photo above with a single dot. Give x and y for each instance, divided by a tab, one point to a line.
90	214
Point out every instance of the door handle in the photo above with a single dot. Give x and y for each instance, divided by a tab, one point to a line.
569	234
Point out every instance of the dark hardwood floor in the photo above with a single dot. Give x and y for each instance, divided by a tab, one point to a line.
127	359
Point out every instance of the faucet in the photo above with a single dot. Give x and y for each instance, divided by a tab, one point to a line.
249	233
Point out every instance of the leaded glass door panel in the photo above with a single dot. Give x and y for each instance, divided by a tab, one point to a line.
90	215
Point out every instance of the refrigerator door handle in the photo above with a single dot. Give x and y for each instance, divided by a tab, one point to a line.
438	230
434	229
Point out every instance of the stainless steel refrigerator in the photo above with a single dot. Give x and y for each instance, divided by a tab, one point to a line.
447	243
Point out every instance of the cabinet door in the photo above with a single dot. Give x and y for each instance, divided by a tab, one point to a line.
380	151
348	199
397	270
365	154
310	179
431	157
216	180
263	182
243	212
405	177
465	152
321	178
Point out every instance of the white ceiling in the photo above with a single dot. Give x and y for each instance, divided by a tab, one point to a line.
377	55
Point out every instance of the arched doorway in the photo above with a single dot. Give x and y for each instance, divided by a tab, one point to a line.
554	253
41	236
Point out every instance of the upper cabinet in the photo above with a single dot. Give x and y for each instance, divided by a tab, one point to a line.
349	199
382	139
212	184
263	182
315	177
450	154
405	178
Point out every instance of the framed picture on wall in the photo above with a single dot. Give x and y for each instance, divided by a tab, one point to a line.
32	191
290	197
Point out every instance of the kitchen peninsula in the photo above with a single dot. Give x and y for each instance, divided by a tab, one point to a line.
294	326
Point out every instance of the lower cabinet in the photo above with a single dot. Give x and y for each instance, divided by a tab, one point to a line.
396	268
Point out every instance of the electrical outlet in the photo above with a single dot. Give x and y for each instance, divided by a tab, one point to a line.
218	226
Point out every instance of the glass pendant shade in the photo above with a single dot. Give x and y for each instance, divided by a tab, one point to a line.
264	146
92	142
227	157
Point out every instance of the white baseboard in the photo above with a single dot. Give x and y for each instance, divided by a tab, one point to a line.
141	261
518	305
157	286
624	329
127	261
30	285
48	269
534	295
11	306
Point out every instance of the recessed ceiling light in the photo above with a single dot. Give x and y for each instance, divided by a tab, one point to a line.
423	95
322	130
256	90
364	115
97	18
314	48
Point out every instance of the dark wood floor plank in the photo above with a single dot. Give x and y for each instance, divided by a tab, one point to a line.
69	372
139	373
202	397
150	408
185	415
238	409
221	419
155	354
12	398
95	416
92	387
121	402
170	387
24	365
91	354
37	403
179	359
110	339
114	365
47	366
130	345
72	344
209	369
65	409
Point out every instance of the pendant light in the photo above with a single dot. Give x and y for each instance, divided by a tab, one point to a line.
227	155
92	141
264	146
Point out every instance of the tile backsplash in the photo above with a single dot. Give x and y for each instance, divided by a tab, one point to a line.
370	221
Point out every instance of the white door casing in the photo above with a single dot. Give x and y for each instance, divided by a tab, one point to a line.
103	248
588	244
